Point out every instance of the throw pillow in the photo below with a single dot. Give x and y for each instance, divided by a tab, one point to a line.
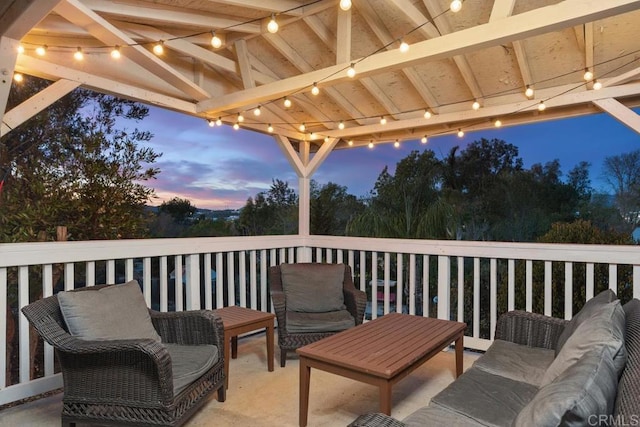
627	403
581	394
602	298
313	288
116	312
605	328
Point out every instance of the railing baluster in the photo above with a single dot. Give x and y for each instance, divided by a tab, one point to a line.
548	270
613	277
636	281
47	291
253	279
387	285
399	283
589	281
242	272
208	282
146	279
128	275
444	287
263	282
374	285
476	297
425	286
511	286
111	271
178	282
568	290
460	289
164	285
69	280
23	299
412	283
3	326
219	280
363	270
529	286
493	296
231	285
91	273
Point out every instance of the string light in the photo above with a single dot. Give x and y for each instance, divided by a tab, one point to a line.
427	114
18	78
588	75
257	111
455	6
211	123
20	48
272	26
41	50
78	55
345	5
240	118
216	42
541	106
287	102
314	89
475	105
597	85
460	133
370	144
312	135
424	139
404	46
302	127
236	126
396	144
270	128
158	48
219	121
497	123
115	52
341	125
383	121
350	143
351	71
529	92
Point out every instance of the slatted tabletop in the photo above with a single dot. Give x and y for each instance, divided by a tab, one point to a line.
380	352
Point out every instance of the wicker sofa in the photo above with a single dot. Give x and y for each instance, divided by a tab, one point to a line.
542	371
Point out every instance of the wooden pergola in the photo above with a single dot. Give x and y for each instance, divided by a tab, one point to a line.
463	70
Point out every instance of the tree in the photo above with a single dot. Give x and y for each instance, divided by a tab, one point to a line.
181	210
622	172
271	212
332	208
72	165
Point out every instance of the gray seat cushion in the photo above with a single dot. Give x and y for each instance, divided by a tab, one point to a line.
516	362
332	321
112	313
313	288
486	398
190	362
434	415
577	397
627	401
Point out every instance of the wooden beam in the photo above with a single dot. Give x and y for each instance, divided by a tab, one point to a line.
528	24
588	47
79	14
242	54
343	45
274	6
623	114
320	156
622	78
290	154
502	9
8	55
36	104
23	15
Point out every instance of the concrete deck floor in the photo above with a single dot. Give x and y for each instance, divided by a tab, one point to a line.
259	398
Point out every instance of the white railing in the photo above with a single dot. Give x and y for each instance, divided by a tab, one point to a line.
473	282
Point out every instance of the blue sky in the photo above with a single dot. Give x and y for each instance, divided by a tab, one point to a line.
219	168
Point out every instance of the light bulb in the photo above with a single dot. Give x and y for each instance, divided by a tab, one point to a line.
115	52
216	42
257	111
302	127
497	123
475	105
529	92
383	121
314	89
78	55
455	6
158	49
460	133
287	102
41	50
597	85
370	144
404	46
341	125
20	49
211	123
272	26
17	77
345	5
396	144
424	139
427	114
351	71
588	75
219	121
236	125
240	118
270	128
312	135
541	106
350	142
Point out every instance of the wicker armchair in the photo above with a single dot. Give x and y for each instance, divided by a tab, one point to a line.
130	382
355	301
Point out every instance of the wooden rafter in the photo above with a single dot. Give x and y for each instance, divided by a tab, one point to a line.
622	113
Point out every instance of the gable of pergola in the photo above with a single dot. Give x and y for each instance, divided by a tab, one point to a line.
489	52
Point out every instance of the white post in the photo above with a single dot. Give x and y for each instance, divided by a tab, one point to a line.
193	281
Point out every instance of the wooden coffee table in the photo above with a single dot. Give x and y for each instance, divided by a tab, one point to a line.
380	352
240	320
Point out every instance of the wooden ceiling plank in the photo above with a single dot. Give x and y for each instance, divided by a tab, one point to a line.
622	78
38	102
343	37
517	27
622	113
170	15
98	27
50	71
22	16
502	9
273	6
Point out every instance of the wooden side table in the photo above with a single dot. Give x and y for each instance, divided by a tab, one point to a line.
240	320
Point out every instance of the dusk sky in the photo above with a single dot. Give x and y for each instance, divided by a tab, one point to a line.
219	168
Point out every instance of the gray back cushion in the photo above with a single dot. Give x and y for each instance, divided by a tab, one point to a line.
628	402
313	288
603	297
116	312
